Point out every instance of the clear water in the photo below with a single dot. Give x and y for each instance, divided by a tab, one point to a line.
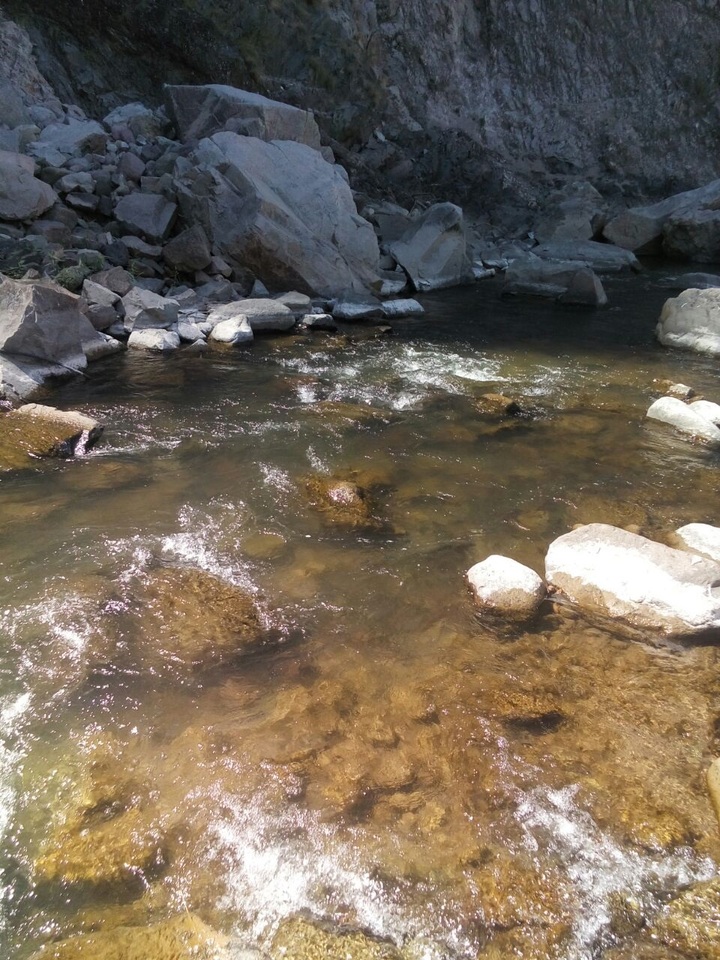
389	761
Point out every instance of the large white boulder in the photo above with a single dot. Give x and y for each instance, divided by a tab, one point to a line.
641	583
700	538
684	417
201	111
280	210
22	195
234	330
692	321
432	250
154	339
504	586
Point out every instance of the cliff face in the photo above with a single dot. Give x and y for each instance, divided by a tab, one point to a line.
460	98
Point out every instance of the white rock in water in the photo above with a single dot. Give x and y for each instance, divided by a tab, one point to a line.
683	417
700	538
234	330
692	321
402	308
162	341
644	584
262	315
707	409
504	586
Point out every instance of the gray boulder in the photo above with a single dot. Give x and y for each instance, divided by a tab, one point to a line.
640	228
22	195
692	321
139	119
433	250
201	111
575	213
683	417
158	341
146	310
350	309
281	211
148	214
41	321
693	236
188	251
402	308
567	280
262	315
59	141
636	581
698	281
601	257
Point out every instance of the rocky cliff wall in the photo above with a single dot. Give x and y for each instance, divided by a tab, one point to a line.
467	99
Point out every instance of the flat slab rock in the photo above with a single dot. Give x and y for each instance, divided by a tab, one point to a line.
35	430
641	583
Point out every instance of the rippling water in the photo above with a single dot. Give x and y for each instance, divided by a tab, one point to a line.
387	760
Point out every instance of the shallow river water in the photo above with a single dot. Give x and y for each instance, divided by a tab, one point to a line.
386	759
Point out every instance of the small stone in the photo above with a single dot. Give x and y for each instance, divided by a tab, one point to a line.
504	586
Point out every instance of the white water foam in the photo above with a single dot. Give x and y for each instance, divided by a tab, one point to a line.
596	866
299	865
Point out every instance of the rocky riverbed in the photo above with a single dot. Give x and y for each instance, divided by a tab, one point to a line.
250	705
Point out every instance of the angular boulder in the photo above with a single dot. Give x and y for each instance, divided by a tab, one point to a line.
41	321
693	236
692	321
640	228
22	195
281	211
188	251
636	581
683	417
148	214
504	586
145	310
261	315
59	141
201	111
433	249
575	213
601	257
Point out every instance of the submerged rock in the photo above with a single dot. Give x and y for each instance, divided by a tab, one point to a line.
298	939
639	582
692	321
691	922
344	501
188	620
185	937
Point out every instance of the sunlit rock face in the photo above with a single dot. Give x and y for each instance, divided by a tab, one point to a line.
468	95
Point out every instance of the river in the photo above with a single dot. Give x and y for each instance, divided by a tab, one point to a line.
388	759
